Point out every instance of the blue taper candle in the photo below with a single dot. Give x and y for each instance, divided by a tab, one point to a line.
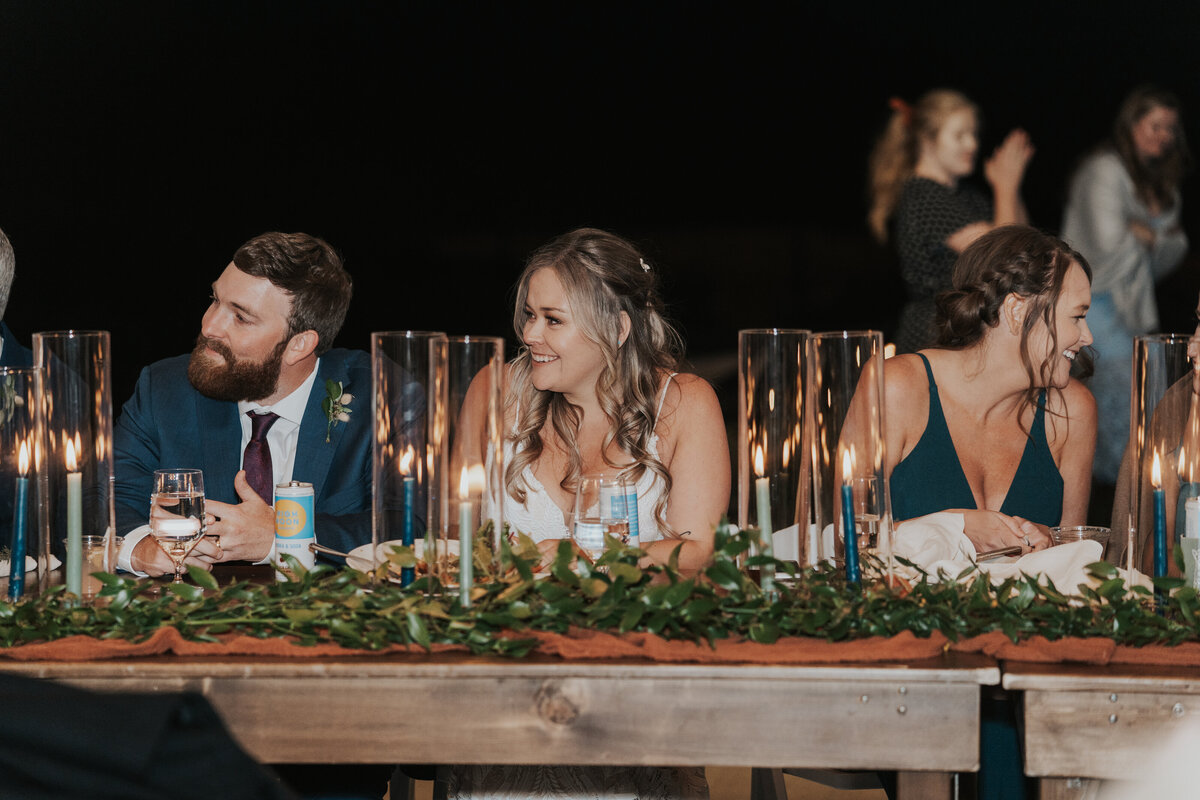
16	563
850	533
408	574
849	529
1160	533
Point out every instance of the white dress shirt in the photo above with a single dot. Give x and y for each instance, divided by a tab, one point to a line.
282	438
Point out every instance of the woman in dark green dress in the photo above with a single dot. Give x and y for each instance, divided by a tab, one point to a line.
989	422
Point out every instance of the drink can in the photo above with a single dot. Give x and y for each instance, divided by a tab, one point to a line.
294	530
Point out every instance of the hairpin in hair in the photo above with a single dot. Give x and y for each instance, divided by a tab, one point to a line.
645	266
902	108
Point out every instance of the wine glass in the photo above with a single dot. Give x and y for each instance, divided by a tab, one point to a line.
177	513
602	508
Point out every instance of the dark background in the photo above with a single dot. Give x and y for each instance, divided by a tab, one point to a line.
436	144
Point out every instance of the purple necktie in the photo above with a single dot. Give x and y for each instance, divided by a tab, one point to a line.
257	458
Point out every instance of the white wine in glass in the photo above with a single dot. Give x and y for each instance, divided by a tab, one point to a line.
177	513
177	537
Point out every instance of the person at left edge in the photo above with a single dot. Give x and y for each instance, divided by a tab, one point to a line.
12	352
264	346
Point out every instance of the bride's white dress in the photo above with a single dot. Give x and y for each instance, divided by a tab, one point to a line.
541	518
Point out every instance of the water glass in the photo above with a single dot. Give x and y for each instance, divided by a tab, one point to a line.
1077	533
604	506
177	513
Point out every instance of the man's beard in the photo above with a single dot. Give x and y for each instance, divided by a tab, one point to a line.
233	380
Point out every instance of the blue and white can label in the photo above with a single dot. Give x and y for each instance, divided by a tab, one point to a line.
623	504
294	530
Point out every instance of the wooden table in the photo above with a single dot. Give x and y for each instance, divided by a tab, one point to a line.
1086	722
921	718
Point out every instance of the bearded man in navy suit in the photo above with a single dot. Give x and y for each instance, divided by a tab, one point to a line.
264	348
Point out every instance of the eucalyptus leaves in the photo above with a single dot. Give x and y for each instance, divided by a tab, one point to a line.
341	606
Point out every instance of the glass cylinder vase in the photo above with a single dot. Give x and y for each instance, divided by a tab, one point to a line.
24	531
773	471
470	420
1163	453
846	423
77	383
408	374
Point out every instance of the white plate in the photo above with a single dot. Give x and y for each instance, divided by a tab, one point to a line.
360	557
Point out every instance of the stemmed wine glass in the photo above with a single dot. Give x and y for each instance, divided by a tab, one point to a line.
601	509
177	513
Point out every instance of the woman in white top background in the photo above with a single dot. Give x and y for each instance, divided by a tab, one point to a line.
1123	215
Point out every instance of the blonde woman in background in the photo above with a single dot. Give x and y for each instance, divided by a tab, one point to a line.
919	200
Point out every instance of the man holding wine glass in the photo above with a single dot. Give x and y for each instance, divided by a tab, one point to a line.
245	408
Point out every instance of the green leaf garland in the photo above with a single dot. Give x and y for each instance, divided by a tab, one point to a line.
342	606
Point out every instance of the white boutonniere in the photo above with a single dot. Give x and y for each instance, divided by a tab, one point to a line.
336	405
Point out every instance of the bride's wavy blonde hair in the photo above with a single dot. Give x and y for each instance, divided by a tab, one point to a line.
602	275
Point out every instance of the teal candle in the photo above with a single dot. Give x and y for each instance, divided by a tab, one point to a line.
1160	540
16	563
408	574
850	533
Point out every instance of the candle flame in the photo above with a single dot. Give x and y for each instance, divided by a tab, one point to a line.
476	477
406	460
1156	472
71	466
848	465
758	460
464	485
23	459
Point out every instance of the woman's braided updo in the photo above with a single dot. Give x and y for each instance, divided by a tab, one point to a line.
1012	259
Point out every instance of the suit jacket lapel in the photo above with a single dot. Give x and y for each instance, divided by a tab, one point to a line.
219	425
314	455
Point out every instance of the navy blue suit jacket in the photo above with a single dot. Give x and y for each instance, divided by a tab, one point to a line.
168	424
14	353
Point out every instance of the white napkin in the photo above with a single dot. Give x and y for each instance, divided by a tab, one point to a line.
30	565
936	543
786	543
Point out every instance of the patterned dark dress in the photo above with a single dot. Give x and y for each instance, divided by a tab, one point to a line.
926	215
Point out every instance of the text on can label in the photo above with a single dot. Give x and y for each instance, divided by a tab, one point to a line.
291	519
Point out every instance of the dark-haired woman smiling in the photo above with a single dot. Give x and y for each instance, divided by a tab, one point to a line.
990	422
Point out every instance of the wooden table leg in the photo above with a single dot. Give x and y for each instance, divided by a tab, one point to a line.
931	785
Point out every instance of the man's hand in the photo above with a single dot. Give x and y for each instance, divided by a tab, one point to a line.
148	557
246	530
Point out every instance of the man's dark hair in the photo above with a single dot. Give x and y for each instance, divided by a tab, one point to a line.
310	272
